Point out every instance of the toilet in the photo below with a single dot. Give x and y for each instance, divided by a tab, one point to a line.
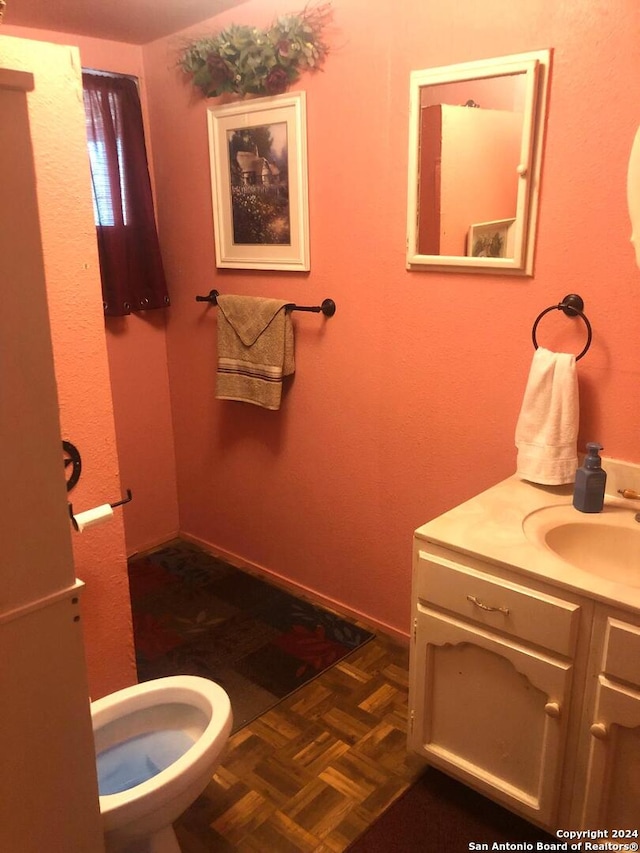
157	744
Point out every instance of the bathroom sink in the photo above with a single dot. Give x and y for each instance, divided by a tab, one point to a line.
606	543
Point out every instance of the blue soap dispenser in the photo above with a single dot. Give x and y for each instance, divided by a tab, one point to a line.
588	492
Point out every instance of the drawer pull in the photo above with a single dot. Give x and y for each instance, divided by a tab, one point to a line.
552	709
483	606
599	730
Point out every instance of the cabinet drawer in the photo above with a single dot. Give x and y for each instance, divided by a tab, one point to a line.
500	604
622	651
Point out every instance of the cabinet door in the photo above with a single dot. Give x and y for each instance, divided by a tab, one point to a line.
608	781
612	792
490	711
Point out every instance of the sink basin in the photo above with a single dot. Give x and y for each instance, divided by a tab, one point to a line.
606	543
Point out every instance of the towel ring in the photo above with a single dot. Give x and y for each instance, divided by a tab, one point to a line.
572	305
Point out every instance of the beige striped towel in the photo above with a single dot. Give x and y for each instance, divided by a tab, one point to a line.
255	349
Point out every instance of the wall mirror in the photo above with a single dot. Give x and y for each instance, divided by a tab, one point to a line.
475	153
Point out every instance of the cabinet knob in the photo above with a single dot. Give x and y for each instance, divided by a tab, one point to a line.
599	730
552	709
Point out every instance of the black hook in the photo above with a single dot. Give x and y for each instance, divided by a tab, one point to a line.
572	305
72	458
123	501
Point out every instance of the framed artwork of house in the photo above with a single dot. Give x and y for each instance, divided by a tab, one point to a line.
258	151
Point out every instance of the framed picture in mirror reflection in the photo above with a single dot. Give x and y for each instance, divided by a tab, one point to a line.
491	239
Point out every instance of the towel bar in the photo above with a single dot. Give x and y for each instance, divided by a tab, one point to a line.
572	305
328	307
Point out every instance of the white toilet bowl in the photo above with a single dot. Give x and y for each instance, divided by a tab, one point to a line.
157	744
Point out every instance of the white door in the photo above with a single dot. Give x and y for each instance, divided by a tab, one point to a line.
48	787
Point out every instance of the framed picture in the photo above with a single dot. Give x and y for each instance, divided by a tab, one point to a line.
491	239
258	152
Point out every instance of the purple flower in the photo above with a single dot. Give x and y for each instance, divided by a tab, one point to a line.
276	81
218	70
283	48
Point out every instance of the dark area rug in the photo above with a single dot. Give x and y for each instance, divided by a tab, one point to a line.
194	614
439	815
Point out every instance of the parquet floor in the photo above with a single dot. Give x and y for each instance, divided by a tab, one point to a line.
311	774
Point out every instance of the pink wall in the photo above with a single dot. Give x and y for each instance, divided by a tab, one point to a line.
121	377
136	347
430	186
491	93
405	403
478	173
56	121
139	375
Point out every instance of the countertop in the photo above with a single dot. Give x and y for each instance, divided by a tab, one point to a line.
489	527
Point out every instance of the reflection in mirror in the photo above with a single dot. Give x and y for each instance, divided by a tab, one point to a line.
633	194
475	151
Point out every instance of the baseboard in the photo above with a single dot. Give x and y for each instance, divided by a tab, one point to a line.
300	590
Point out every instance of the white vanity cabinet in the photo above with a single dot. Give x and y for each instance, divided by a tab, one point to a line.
525	691
492	679
607	793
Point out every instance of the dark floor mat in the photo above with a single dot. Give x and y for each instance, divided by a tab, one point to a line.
194	614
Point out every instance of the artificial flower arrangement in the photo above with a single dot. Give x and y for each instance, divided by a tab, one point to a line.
245	60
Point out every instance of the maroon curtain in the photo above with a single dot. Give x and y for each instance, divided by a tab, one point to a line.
130	263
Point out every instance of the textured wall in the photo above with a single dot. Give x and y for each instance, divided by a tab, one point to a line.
405	403
137	355
33	500
79	351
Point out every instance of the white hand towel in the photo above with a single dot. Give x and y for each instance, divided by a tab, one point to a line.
547	428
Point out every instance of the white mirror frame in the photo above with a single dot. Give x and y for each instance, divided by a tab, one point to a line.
535	66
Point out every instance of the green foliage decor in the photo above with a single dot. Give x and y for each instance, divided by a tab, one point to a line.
246	60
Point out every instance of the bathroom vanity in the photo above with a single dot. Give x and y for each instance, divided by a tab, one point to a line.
525	653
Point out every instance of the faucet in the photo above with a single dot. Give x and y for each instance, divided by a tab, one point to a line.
632	495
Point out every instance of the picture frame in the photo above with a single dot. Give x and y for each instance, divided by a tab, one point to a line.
259	183
491	239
